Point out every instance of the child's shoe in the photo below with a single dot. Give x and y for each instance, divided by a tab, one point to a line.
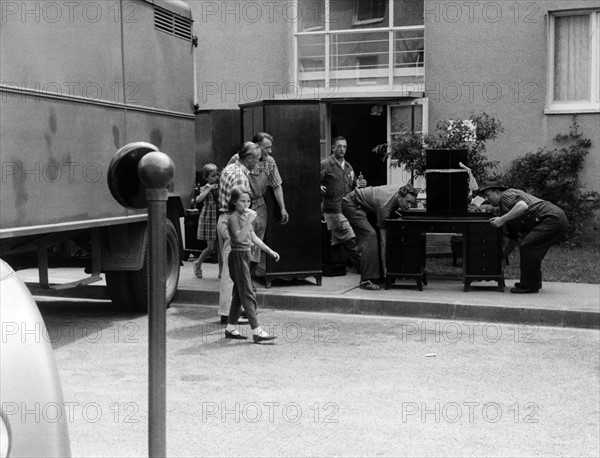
198	270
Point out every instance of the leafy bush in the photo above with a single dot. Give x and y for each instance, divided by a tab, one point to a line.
553	175
408	148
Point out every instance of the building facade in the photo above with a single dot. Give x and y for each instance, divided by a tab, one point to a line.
378	66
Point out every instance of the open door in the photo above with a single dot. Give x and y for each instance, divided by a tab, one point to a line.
364	125
406	115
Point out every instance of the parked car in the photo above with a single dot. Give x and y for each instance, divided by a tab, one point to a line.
33	416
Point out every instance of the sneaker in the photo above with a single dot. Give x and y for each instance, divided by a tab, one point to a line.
234	335
266	338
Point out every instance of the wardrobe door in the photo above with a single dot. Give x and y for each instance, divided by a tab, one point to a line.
295	127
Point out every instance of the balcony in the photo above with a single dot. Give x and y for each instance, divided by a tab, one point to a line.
375	59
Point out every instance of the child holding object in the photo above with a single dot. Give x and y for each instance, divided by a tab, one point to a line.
207	220
239	226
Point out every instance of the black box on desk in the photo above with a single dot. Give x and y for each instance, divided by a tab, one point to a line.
445	158
447	183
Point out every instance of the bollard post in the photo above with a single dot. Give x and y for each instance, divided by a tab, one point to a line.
156	171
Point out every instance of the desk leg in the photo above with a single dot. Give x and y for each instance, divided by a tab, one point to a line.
467	285
425	278
420	284
501	285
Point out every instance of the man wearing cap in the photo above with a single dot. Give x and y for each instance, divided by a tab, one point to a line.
540	222
383	202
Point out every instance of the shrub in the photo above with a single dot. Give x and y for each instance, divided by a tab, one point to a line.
553	175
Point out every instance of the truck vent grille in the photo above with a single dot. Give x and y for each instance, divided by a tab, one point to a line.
172	24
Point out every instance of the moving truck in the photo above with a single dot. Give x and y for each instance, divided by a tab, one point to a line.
78	81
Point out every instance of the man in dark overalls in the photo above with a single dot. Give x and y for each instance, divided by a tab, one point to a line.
541	223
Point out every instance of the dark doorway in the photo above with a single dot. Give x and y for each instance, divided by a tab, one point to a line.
365	127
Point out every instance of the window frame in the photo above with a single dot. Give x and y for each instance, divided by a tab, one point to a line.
574	106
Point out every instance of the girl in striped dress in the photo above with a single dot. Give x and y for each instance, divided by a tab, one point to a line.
207	220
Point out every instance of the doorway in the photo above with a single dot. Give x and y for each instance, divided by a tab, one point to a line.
365	126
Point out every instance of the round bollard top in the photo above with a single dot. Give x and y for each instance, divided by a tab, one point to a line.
156	170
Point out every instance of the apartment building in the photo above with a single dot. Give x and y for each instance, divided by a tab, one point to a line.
378	66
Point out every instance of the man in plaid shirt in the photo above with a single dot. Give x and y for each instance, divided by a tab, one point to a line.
264	175
541	223
235	174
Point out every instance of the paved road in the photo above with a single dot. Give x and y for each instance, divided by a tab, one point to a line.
333	384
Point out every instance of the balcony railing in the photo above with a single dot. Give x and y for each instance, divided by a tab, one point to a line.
381	58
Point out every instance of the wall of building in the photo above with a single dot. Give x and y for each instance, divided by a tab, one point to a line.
244	51
491	56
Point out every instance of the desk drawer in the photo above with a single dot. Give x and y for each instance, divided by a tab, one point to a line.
478	267
442	227
402	242
483	253
482	228
401	226
404	255
483	238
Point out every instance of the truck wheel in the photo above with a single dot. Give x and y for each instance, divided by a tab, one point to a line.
118	284
129	289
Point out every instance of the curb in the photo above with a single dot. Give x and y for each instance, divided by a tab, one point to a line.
358	306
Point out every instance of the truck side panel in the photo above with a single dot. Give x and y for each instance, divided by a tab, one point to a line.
77	85
55	156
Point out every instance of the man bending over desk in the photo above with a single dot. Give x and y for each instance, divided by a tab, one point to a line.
540	222
382	202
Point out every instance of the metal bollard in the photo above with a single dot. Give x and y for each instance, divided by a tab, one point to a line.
156	171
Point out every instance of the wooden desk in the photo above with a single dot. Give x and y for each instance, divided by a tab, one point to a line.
482	247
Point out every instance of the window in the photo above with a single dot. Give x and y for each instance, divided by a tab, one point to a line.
573	54
353	43
311	15
369	11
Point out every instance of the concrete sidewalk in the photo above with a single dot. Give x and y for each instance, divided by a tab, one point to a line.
557	304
